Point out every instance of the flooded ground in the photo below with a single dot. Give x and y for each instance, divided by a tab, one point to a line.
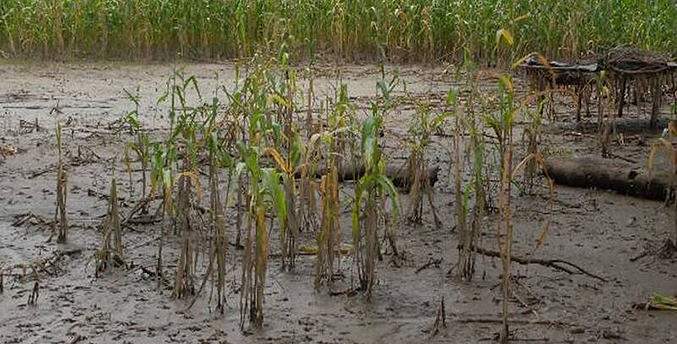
595	229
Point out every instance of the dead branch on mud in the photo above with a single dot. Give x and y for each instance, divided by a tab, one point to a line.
557	264
514	321
47	265
430	263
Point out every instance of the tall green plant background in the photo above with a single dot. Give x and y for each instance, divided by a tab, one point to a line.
410	30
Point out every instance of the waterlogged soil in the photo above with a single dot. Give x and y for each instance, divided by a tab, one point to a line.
595	229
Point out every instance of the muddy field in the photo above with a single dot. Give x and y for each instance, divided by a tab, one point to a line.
595	229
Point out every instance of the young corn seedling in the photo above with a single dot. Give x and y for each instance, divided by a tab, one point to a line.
164	177
328	236
217	144
257	242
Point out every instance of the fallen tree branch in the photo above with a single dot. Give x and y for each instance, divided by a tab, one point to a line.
557	264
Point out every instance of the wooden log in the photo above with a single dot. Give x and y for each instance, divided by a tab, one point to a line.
397	175
609	174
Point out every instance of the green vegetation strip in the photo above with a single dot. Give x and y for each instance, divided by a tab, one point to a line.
403	30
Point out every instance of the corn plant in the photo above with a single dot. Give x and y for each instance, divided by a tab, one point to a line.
219	157
141	146
663	143
265	193
504	233
419	137
329	144
162	179
476	189
110	255
189	194
411	30
265	196
532	137
183	146
370	202
284	97
164	176
60	219
503	124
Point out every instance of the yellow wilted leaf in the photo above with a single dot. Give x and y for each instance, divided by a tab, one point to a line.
655	147
539	57
195	180
279	160
672	127
522	17
506	35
